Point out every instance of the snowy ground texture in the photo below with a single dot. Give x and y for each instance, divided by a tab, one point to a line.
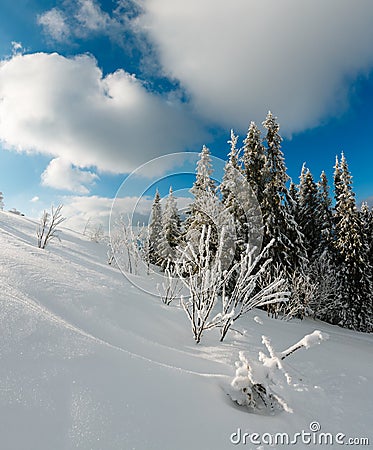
90	362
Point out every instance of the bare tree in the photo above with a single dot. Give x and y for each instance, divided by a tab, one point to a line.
48	226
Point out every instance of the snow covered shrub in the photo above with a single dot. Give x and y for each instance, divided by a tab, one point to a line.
202	275
126	242
171	287
47	228
96	233
237	289
257	384
248	292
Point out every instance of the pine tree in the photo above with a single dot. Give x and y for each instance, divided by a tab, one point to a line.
170	230
1	201
288	251
155	231
254	160
355	283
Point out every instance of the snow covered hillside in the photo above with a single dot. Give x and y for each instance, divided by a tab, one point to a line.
88	361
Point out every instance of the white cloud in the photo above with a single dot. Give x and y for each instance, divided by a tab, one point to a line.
54	24
64	107
91	17
80	209
60	174
239	59
35	199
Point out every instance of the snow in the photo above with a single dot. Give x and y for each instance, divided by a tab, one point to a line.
88	361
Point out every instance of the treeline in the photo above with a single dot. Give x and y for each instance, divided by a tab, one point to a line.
322	249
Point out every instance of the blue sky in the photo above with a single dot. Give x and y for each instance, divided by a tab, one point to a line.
92	89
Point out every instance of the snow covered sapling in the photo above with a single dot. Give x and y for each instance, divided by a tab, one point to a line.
257	383
48	226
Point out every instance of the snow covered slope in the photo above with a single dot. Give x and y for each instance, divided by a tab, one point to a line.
90	362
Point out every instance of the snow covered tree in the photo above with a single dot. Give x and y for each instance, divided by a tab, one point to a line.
254	160
325	215
354	278
47	229
240	202
1	201
279	224
205	208
308	212
155	231
367	217
204	171
170	230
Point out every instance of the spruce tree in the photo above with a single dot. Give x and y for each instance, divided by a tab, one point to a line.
308	212
355	282
241	215
325	215
254	160
155	231
367	217
288	251
1	201
204	209
170	230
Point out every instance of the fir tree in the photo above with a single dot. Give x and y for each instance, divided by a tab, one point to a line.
170	230
234	189
355	283
254	160
1	201
155	231
204	182
367	217
205	208
325	215
288	251
308	212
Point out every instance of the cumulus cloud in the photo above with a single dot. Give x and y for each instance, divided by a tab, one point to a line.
54	24
64	107
239	59
60	174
